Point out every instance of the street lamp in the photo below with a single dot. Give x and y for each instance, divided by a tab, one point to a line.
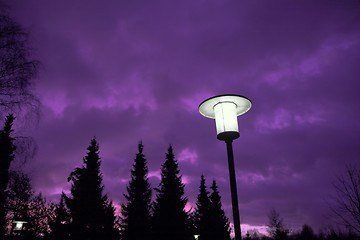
225	109
18	227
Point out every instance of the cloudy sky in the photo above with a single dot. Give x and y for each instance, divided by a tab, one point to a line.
130	71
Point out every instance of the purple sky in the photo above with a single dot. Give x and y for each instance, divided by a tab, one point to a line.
126	71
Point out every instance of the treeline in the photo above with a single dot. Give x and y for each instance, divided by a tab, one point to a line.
87	213
277	230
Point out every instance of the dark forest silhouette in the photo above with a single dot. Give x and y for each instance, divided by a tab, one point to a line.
87	213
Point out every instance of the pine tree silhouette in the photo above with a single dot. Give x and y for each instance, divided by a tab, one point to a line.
91	212
7	149
219	223
136	211
60	225
170	220
201	215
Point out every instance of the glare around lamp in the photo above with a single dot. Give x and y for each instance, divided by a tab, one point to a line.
225	109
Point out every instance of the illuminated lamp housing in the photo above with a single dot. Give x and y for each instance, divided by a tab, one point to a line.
225	109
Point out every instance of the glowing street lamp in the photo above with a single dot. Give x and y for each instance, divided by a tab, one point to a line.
225	109
18	227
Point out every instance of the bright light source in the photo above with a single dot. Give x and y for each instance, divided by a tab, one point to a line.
225	109
225	117
19	225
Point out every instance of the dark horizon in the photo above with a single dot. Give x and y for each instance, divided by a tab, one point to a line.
127	72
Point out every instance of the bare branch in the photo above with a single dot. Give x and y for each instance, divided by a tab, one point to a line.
17	69
346	201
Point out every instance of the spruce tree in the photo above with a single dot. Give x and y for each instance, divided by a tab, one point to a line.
91	212
201	215
170	220
136	211
110	231
219	223
7	149
60	225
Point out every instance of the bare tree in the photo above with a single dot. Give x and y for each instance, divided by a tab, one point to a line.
17	72
346	201
17	69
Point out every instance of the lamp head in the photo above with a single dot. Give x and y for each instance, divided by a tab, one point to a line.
18	225
225	109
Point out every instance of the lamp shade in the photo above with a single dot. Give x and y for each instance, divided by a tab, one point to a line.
225	109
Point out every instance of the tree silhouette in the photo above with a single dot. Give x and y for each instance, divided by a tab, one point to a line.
7	155
202	211
110	231
346	206
276	226
40	215
17	69
219	223
170	220
24	205
307	233
91	212
20	193
136	211
60	225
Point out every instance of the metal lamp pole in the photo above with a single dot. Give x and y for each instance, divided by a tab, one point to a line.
233	188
